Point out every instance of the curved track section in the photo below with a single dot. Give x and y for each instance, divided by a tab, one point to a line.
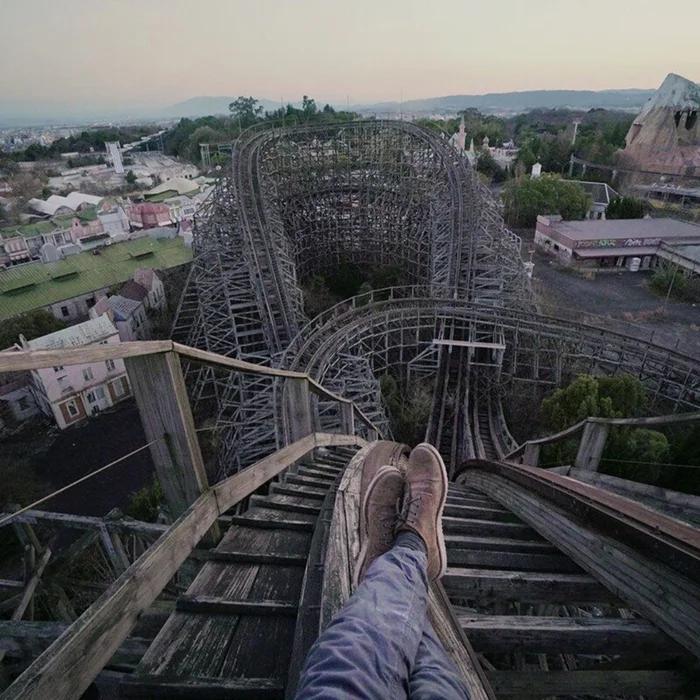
303	201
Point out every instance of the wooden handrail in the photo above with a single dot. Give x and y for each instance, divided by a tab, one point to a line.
620	422
22	360
69	665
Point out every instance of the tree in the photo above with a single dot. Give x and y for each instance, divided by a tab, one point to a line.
308	105
525	198
626	208
31	325
130	177
487	165
245	110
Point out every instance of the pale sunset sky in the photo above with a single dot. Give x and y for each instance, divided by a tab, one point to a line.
157	52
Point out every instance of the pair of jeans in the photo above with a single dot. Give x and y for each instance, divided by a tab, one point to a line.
381	645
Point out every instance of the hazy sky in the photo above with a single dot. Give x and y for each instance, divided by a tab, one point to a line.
156	52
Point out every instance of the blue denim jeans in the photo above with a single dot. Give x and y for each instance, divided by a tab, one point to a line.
381	645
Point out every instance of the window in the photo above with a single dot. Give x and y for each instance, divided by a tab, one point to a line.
110	365
87	374
59	368
118	387
64	311
23	404
72	409
97	394
90	302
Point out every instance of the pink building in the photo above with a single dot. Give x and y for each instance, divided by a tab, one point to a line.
72	393
150	215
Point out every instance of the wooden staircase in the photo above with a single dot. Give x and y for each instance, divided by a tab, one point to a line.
232	633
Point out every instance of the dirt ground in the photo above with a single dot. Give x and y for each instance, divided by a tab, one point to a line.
621	301
83	449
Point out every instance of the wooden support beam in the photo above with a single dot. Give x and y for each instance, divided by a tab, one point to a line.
533	684
212	605
30	587
591	446
117	557
531	455
570	635
297	400
485	584
161	396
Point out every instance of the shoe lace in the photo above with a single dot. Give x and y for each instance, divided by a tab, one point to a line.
389	523
410	508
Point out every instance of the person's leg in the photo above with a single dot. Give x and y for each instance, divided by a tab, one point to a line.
370	646
434	675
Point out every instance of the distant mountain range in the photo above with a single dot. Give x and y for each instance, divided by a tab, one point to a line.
521	101
36	113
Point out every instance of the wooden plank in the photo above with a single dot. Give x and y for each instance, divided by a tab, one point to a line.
535	587
478	513
67	667
657	592
241	557
457	644
161	396
210	605
591	447
534	684
488	528
287	503
263	521
203	688
530	634
39	359
678	505
297	409
81	522
510	561
31	585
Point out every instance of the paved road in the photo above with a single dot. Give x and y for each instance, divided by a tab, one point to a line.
623	299
79	451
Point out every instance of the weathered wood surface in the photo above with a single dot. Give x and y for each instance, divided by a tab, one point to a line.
238	618
341	555
678	505
215	688
658	593
67	667
528	448
161	396
531	684
570	635
524	586
38	359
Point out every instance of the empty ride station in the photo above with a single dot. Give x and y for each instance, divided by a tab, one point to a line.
625	244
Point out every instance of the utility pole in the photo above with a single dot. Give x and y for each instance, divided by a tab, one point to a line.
670	288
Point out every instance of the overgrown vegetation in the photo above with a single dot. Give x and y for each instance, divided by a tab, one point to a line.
683	286
525	198
639	454
32	324
626	208
409	410
144	503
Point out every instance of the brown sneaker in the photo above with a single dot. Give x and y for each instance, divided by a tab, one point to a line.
426	492
380	513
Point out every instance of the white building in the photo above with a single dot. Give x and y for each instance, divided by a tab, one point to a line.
72	393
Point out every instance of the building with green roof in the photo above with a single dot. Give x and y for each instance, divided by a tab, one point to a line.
69	287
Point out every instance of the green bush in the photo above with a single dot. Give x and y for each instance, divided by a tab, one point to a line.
144	503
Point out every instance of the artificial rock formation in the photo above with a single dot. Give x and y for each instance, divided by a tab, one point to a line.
665	137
